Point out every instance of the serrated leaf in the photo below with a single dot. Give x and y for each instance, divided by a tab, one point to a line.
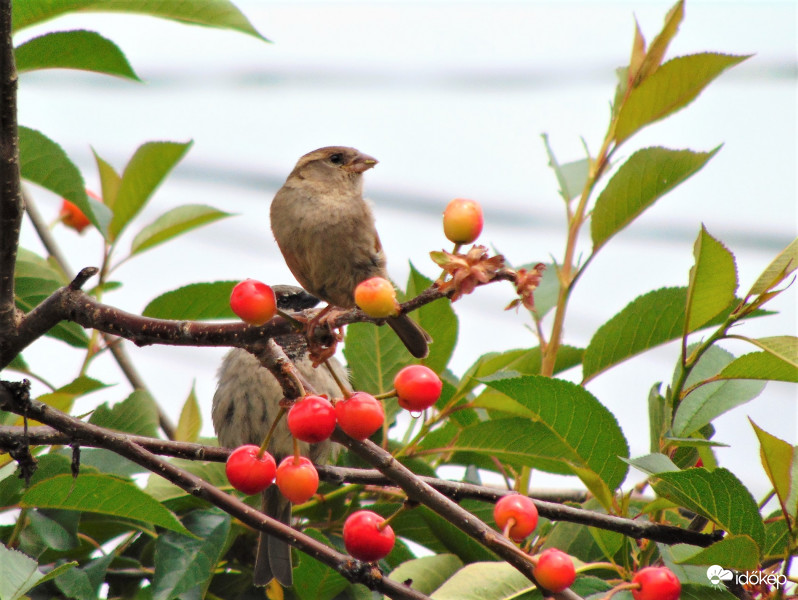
185	563
780	461
173	223
670	88
718	495
706	402
437	318
779	362
646	176
194	302
738	552
781	267
478	581
374	355
83	50
84	583
19	573
428	573
109	180
190	422
565	427
45	163
103	494
777	539
654	463
713	281
656	52
648	321
137	414
144	172
211	13
313	580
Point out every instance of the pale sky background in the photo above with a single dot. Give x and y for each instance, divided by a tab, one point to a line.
451	97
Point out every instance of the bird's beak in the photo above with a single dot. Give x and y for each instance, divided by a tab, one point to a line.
362	163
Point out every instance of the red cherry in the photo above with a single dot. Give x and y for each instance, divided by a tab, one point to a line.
377	298
554	570
418	387
298	480
253	302
462	221
311	419
360	415
247	472
656	583
518	507
363	537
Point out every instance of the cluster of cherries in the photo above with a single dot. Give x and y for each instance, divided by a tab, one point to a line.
517	516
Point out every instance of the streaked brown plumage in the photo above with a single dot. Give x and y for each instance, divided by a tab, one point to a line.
326	233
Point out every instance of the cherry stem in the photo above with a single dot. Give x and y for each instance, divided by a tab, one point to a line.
387	520
265	445
297	453
620	588
389	394
344	388
508	526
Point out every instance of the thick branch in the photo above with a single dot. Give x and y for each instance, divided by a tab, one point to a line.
11	205
123	445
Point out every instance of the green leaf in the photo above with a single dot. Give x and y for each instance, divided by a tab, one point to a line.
103	494
184	563
780	460
648	321
194	302
438	319
547	291
777	539
738	552
713	281
778	270
221	14
190	422
571	176
654	463
109	180
45	163
670	88
428	573
84	583
19	573
313	580
694	591
779	362
580	432
143	174
137	414
646	176
708	401
718	495
478	581
656	52
174	223
83	50
374	355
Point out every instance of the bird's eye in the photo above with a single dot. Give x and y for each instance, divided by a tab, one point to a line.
337	158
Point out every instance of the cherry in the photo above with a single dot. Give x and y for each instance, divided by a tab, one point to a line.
554	570
247	472
360	415
519	508
72	216
311	419
418	387
297	479
253	302
377	298
462	221
656	583
363	537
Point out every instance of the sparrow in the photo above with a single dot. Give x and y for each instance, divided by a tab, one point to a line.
326	233
246	402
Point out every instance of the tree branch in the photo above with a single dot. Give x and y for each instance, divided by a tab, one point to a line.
11	204
86	433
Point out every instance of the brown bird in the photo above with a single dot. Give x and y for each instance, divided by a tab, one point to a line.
246	401
326	233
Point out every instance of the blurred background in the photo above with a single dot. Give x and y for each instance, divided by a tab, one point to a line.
452	98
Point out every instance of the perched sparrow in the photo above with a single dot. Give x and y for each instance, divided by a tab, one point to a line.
326	233
246	401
